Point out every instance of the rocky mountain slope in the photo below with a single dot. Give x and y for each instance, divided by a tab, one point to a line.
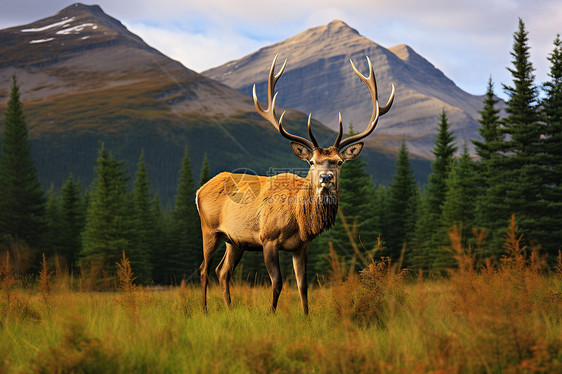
319	79
85	79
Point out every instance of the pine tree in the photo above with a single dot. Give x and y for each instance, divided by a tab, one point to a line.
73	215
107	231
402	206
490	203
185	255
205	171
443	150
490	127
458	209
144	224
22	200
525	155
551	115
459	206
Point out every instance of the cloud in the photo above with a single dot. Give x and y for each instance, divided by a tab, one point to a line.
197	51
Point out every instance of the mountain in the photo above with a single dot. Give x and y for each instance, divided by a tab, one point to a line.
319	79
85	79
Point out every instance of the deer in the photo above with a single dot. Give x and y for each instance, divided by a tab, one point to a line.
284	212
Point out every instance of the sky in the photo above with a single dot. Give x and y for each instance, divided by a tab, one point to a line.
468	40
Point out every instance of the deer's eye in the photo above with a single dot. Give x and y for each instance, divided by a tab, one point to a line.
311	162
340	163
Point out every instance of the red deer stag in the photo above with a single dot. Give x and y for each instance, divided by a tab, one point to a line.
283	212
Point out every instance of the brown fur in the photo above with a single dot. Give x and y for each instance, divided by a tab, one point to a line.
251	212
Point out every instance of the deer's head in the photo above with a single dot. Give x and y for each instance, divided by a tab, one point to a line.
325	163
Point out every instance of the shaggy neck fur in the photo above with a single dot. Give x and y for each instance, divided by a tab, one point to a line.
316	213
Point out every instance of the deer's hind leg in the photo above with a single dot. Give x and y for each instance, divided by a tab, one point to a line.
224	270
210	244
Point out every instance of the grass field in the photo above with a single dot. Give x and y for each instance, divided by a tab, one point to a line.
505	317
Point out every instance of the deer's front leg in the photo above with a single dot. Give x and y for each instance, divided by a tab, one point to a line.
299	265
271	258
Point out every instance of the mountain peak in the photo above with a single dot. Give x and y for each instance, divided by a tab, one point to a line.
322	38
337	26
74	29
82	9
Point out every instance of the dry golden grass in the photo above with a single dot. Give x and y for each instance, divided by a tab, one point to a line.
500	317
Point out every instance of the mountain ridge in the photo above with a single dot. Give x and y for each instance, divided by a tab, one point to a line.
319	79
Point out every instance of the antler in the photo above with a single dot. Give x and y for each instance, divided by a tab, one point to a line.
372	85
269	113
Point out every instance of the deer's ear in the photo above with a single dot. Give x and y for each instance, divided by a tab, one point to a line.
301	151
352	151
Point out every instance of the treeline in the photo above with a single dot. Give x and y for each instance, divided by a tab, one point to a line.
518	172
88	232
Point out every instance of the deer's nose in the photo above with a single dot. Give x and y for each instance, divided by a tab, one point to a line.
326	177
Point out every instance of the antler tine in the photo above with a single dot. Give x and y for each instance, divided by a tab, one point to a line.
386	108
294	138
340	134
269	113
272	81
314	141
364	134
377	111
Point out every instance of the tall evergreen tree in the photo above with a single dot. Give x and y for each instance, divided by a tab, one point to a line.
107	231
402	206
205	174
22	200
443	150
185	255
492	168
144	224
489	126
73	215
525	155
551	115
458	208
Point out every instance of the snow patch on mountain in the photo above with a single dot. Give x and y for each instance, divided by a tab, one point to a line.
41	41
76	29
52	25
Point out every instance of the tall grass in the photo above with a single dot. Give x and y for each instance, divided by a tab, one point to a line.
499	317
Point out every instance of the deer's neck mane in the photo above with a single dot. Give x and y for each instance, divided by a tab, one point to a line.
316	213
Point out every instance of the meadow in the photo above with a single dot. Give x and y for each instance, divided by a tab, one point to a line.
503	316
